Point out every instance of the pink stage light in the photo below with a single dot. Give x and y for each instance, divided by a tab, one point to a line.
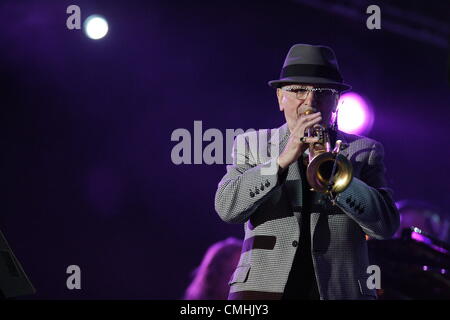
354	114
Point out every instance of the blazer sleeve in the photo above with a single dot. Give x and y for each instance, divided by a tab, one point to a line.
369	201
246	183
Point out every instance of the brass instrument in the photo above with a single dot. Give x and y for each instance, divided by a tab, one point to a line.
328	171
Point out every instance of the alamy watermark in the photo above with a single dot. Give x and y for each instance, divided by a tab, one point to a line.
74	280
236	146
374	20
74	19
374	279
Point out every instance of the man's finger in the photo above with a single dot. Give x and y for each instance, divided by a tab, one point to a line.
312	123
309	139
309	117
306	122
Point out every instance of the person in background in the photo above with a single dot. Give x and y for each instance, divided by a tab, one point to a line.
211	278
414	213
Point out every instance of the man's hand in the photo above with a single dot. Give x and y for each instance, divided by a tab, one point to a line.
295	147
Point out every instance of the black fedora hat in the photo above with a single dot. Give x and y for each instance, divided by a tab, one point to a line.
310	64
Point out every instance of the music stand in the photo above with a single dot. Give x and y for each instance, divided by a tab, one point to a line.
13	280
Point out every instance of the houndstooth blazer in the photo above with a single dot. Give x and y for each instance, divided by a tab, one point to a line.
269	204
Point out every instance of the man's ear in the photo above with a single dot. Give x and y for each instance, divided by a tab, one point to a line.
280	97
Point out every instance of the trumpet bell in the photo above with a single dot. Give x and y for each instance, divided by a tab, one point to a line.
320	168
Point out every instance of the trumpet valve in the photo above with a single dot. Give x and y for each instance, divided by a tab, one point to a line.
337	147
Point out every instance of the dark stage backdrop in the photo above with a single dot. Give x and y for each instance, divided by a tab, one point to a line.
87	177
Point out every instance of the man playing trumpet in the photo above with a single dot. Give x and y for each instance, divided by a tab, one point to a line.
306	222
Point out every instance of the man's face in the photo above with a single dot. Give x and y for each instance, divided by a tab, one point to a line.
294	108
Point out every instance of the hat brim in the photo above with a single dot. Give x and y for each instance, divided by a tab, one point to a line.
310	80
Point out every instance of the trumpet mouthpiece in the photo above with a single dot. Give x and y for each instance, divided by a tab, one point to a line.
309	111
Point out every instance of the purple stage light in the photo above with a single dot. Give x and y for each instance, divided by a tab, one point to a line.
354	114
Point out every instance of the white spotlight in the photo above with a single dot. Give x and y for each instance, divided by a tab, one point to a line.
95	27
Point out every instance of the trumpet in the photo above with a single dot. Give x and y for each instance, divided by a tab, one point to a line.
327	171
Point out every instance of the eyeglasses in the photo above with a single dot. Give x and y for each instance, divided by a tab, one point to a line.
320	94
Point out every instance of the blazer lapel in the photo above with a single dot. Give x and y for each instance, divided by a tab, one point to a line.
293	184
341	136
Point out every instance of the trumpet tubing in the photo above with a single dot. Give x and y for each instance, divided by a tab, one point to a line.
327	171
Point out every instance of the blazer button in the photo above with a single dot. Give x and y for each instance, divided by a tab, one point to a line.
294	243
352	204
267	183
252	194
348	200
262	187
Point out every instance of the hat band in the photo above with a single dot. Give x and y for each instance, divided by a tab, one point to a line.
310	70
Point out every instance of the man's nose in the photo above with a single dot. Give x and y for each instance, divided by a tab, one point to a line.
310	101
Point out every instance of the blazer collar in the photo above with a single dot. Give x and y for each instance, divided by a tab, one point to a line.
280	139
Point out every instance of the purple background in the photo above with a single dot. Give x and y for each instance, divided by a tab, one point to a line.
87	177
